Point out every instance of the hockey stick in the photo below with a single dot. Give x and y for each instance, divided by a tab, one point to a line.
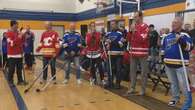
36	79
50	80
188	103
23	72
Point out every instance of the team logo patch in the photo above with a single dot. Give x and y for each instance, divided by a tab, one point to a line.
113	38
72	40
48	41
170	42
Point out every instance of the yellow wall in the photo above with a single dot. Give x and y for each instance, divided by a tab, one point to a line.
165	9
39	25
161	10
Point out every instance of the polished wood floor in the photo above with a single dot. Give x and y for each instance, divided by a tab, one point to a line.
73	96
70	96
7	101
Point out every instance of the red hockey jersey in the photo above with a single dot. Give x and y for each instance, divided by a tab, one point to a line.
93	42
15	42
49	44
139	40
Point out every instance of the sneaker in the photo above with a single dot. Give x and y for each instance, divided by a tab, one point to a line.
132	91
103	82
82	69
109	85
92	81
21	83
172	103
79	81
65	81
142	93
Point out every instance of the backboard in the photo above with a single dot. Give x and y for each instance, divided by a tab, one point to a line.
105	4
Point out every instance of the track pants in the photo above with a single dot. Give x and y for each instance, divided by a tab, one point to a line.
96	63
28	59
15	63
135	61
116	65
52	62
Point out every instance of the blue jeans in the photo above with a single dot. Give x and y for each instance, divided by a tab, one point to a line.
52	62
116	65
76	61
153	51
177	78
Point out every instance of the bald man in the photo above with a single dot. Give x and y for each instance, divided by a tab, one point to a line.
49	47
72	44
173	62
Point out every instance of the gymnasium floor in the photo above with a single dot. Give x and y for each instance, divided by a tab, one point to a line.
78	97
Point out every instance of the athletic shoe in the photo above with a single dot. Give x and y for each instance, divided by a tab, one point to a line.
92	81
130	92
142	93
21	83
79	81
65	81
103	82
172	103
82	69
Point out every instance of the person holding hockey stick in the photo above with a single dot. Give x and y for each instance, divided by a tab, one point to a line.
114	43
14	53
49	46
72	45
93	48
175	48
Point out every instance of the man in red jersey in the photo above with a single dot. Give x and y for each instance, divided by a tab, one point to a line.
93	47
138	39
49	47
14	52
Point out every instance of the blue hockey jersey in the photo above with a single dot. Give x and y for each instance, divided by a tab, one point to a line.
115	37
170	49
29	42
72	39
4	45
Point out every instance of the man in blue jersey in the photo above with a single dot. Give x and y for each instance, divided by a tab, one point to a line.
114	43
28	47
72	45
4	49
173	62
